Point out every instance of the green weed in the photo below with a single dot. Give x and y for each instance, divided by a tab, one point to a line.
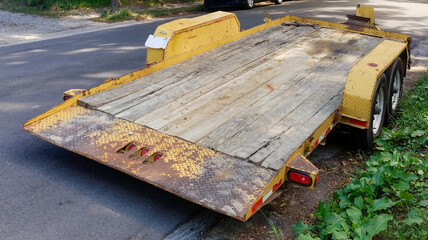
119	16
167	12
159	12
276	232
391	192
64	5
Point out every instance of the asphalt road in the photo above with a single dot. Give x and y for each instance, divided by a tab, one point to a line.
50	193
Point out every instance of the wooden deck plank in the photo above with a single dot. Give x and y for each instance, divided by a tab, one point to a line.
275	154
187	118
220	73
180	70
170	112
297	66
203	123
243	135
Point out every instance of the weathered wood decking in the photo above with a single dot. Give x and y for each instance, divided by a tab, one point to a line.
257	98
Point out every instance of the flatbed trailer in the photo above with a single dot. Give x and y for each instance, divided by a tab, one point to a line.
225	121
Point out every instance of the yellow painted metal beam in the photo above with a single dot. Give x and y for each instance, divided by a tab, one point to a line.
374	32
188	34
362	78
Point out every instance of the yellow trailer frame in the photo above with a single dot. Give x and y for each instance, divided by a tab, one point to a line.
358	93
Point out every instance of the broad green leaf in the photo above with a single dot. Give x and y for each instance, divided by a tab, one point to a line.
300	227
343	199
401	186
381	204
344	225
354	214
393	163
322	210
408	177
386	190
413	217
377	224
333	228
417	133
423	203
334	219
360	233
378	177
395	156
359	202
340	235
369	190
371	169
306	237
405	195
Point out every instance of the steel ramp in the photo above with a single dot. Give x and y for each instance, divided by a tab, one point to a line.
201	175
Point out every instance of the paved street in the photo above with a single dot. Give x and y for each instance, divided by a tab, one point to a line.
47	192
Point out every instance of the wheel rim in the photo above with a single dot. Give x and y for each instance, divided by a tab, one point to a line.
396	90
378	110
250	3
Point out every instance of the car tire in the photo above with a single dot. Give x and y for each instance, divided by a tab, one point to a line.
208	7
364	137
248	4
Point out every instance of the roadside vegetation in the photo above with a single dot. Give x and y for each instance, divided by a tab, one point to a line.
131	9
390	192
123	15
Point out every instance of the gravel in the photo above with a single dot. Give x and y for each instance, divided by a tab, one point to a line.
18	28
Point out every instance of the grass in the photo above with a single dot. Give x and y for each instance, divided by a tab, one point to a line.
56	5
124	15
276	232
160	3
57	8
391	191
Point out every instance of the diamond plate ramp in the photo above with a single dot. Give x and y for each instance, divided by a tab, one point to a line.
201	175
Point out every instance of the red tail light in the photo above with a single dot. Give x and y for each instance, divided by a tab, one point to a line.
358	122
300	178
65	98
144	151
157	156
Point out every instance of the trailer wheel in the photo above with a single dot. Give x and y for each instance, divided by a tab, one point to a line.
395	88
364	137
249	4
277	1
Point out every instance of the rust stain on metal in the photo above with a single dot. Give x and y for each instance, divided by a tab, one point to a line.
372	65
201	175
337	115
302	164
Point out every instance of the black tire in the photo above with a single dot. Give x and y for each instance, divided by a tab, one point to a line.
395	88
364	137
208	7
248	4
277	1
